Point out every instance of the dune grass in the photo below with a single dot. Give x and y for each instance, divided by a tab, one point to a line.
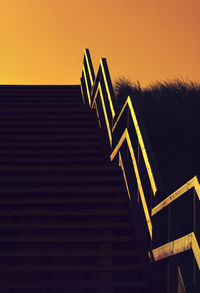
171	114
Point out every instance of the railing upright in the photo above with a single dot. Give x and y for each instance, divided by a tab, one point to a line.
87	78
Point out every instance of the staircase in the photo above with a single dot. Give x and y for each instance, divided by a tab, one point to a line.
65	223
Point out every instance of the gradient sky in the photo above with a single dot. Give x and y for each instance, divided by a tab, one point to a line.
42	41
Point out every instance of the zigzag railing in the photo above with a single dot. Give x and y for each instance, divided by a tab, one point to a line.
129	143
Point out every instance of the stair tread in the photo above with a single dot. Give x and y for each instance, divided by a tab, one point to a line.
52	152
92	178
68	252
85	200
99	167
67	267
39	102
75	284
47	144
33	109
49	160
70	238
39	211
72	115
38	123
80	137
75	189
73	225
40	129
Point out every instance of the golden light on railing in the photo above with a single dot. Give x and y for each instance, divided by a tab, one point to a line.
87	87
125	136
98	90
180	245
107	87
193	183
140	139
86	52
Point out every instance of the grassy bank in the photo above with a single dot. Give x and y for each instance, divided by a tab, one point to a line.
171	113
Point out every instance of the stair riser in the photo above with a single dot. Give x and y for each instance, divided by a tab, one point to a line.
67	183
52	152
42	131
70	276
63	124
12	160
44	120
64	232
62	219
49	137
59	260
73	289
49	145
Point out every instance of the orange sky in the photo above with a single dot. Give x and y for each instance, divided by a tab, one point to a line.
42	41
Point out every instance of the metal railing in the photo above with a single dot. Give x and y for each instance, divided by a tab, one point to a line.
173	224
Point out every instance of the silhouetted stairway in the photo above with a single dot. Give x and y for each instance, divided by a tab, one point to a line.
65	224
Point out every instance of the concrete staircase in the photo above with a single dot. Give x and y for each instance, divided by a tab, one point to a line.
65	223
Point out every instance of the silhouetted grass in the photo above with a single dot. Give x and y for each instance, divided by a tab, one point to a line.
171	114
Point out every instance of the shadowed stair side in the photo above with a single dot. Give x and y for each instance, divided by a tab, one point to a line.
65	223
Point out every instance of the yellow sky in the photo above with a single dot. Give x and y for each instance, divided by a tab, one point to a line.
42	41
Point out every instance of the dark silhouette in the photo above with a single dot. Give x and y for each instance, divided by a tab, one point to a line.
170	111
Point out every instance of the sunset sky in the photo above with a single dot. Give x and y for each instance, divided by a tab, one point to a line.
42	41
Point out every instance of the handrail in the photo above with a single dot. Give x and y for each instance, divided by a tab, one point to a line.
177	246
108	104
126	136
103	80
87	70
127	139
193	183
144	149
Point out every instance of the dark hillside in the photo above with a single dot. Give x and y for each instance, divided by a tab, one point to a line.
171	113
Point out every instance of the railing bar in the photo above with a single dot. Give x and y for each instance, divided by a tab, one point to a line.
126	136
103	62
105	115
90	66
194	182
87	87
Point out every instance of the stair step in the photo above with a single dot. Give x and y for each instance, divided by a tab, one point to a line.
70	252
50	144
33	109
70	238
66	268
49	201
42	103
40	161
52	130
73	96
48	137
65	184
43	119
104	168
52	152
74	189
35	124
67	113
53	113
82	284
72	225
53	212
27	91
94	178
